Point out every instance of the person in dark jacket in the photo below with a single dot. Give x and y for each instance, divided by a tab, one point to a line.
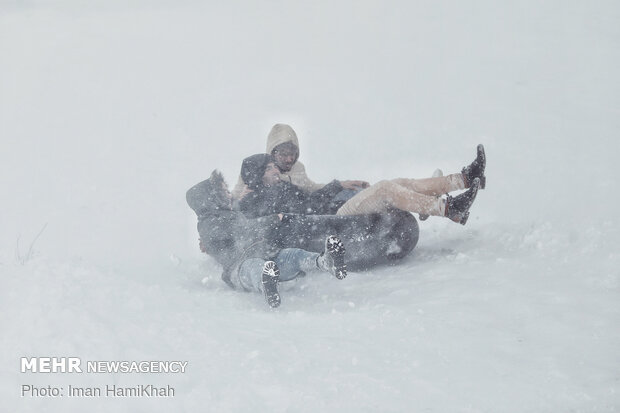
283	145
247	248
423	196
268	194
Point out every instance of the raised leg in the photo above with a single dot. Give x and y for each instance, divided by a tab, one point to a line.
433	186
386	194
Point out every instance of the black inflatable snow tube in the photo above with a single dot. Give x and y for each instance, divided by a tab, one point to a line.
370	240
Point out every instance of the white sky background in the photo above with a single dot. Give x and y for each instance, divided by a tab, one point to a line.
109	112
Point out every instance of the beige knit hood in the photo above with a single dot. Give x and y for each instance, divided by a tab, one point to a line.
281	133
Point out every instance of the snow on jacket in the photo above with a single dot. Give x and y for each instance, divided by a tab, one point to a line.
279	134
282	197
227	235
253	169
285	197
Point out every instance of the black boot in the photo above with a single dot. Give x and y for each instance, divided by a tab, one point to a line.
476	169
332	259
271	278
457	208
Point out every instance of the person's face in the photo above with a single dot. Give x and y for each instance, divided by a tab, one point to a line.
285	156
272	175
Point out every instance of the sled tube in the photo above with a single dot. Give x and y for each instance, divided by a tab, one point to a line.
370	240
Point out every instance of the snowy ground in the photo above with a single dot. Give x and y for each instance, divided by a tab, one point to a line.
110	111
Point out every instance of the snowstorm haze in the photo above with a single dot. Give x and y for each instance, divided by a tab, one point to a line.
110	111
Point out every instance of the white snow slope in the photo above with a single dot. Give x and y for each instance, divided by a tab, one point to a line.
110	111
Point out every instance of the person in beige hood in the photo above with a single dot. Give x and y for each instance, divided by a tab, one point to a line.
283	145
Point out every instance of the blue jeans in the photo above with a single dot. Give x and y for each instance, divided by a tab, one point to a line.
290	261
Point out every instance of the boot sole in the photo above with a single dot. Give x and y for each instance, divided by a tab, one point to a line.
335	248
482	155
463	220
270	279
476	187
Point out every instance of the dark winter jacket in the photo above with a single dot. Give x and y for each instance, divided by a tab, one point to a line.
227	235
253	168
283	197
